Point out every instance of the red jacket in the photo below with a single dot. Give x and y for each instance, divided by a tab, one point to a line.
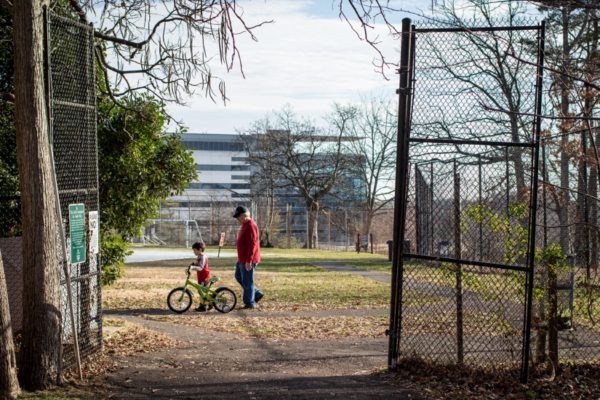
202	269
248	246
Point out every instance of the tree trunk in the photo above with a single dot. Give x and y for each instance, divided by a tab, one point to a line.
553	316
593	191
41	296
9	385
581	217
563	213
313	212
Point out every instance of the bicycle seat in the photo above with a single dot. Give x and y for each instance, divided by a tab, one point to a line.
214	279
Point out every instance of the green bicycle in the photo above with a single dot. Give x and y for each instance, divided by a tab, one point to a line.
222	298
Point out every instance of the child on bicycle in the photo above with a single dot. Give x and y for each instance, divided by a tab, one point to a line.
201	267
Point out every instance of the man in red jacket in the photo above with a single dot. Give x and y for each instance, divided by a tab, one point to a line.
248	250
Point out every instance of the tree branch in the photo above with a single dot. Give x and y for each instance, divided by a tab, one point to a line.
75	5
585	82
566	117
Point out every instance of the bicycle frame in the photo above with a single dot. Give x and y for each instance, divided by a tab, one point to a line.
205	292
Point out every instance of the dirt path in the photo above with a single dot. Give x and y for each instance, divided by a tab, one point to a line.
217	365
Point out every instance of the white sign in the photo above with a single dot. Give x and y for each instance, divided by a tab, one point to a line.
94	228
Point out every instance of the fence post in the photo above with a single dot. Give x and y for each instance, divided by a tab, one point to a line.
533	206
406	57
457	255
480	176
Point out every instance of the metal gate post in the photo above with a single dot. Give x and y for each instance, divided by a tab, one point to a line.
533	205
404	93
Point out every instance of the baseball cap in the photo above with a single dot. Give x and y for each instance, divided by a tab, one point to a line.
239	211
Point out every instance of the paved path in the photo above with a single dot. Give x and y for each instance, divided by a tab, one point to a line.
148	254
222	366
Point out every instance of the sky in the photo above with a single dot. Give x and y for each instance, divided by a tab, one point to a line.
307	58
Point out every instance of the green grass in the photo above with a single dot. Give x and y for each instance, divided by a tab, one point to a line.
66	393
303	260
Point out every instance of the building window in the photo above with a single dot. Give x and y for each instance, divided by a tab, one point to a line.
212	146
211	167
240	186
240	159
242	177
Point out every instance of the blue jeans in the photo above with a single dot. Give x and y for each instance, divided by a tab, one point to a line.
246	280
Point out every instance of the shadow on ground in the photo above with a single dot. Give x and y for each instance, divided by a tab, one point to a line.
261	387
136	312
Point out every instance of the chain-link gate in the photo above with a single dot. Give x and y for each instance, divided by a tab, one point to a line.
73	122
464	236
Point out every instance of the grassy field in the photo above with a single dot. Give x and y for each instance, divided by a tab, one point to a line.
289	278
301	299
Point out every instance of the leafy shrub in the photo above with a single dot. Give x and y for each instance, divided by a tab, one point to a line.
114	251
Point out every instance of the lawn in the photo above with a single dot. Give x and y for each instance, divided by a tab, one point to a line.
289	278
301	299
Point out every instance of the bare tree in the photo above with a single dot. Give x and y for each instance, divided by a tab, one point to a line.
263	182
165	48
371	139
301	158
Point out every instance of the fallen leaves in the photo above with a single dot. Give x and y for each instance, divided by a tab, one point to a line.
124	342
451	382
285	327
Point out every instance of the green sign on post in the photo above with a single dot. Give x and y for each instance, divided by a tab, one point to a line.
77	233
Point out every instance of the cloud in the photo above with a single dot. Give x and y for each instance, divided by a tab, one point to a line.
308	58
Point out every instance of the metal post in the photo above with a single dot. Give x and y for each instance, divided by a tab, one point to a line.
458	255
544	196
533	206
480	205
507	160
406	51
418	217
431	208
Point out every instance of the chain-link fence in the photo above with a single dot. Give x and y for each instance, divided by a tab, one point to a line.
73	115
71	86
468	151
183	220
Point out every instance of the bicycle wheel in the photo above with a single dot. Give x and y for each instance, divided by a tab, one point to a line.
179	300
225	300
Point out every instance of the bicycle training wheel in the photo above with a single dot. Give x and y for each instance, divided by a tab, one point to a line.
225	300
179	300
